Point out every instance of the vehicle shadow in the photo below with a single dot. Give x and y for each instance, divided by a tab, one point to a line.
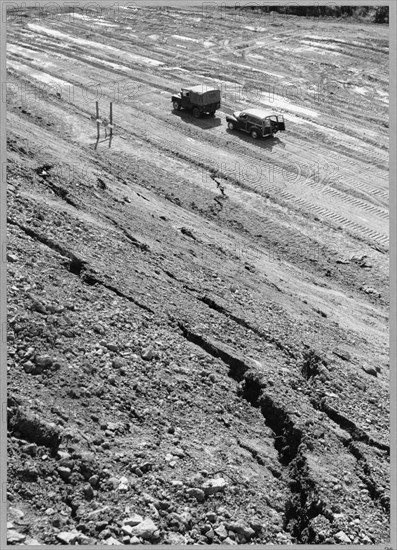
205	122
267	142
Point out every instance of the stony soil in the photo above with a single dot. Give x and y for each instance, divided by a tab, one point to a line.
185	367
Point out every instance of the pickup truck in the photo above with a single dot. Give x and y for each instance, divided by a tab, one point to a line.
257	122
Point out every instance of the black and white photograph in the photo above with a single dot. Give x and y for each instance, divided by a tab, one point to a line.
196	250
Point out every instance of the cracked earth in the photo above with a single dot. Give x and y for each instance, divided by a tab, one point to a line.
185	367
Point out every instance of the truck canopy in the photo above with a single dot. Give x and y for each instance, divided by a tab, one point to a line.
203	94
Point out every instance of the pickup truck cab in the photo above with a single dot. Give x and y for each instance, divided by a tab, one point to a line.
198	99
257	122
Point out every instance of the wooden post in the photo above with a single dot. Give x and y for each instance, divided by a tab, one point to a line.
97	120
111	119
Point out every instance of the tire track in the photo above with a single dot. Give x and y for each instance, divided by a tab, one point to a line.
319	187
354	228
308	206
201	159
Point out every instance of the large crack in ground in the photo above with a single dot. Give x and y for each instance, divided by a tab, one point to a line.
357	433
210	302
23	423
316	426
358	436
377	494
77	265
311	367
142	246
302	505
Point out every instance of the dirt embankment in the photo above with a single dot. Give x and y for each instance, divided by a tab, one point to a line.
185	367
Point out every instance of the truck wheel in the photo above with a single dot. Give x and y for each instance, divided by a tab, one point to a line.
196	113
176	106
255	134
230	125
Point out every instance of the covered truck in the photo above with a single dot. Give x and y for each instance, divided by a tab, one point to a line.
199	99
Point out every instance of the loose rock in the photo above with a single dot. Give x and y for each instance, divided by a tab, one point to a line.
147	354
13	537
221	532
342	537
146	529
242	529
124	485
370	370
67	537
196	493
133	520
213	486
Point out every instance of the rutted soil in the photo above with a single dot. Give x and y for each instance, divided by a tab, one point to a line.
186	367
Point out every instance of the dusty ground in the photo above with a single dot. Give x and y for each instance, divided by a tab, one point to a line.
217	366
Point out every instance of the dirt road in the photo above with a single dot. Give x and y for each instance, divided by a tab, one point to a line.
217	365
